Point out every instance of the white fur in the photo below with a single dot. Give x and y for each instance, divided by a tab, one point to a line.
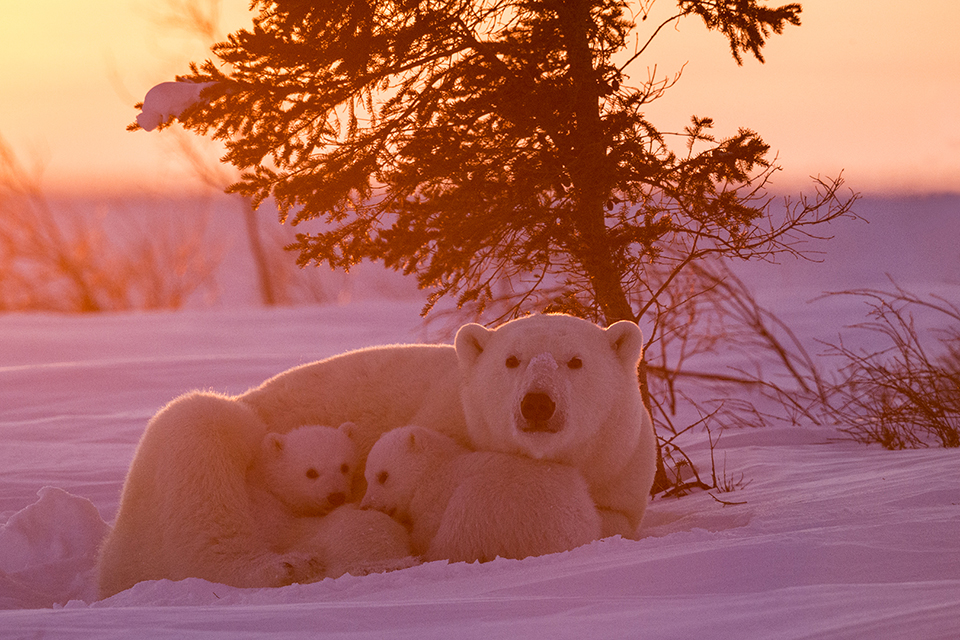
559	388
185	506
468	506
355	541
184	510
379	389
308	470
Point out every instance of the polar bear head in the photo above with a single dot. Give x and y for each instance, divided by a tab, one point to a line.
399	463
551	387
310	469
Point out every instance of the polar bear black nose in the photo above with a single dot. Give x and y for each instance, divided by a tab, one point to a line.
336	499
537	407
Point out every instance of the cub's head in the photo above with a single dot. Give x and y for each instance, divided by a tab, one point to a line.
544	386
310	469
398	463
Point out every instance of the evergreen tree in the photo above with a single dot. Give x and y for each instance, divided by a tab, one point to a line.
497	150
493	146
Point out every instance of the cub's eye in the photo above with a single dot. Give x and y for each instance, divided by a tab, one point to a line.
382	477
312	474
575	363
344	468
513	362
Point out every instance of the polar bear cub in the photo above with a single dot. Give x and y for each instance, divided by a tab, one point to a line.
356	541
466	506
307	471
300	489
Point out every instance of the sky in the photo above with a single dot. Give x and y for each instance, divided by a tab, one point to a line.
867	87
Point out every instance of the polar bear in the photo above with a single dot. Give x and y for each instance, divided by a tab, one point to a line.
300	484
355	541
465	506
301	474
184	508
559	388
306	472
411	473
190	464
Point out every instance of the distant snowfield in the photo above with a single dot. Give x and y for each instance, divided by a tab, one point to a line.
829	539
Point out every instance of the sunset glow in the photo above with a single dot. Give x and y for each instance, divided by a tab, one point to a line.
869	88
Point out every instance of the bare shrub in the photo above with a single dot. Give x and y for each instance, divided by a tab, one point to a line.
901	395
711	312
68	261
903	392
707	316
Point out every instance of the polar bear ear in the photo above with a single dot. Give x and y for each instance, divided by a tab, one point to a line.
349	428
273	443
470	342
626	338
415	440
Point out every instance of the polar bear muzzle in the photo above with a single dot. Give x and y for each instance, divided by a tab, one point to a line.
537	409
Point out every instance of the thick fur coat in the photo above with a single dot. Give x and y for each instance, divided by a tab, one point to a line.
552	388
466	506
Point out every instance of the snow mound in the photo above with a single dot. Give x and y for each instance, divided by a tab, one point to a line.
48	551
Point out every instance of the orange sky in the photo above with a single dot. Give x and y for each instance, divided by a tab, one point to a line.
868	86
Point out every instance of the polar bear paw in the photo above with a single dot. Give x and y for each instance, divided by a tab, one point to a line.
301	567
281	569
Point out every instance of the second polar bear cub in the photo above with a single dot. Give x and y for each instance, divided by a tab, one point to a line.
464	505
300	485
308	471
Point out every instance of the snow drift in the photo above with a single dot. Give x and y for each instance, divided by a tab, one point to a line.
823	538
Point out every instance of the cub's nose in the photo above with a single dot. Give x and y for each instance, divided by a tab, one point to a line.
537	407
336	499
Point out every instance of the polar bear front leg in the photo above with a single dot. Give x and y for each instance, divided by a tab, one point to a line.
615	523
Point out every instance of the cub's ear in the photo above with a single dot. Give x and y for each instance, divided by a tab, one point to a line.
470	342
273	443
350	428
626	338
417	439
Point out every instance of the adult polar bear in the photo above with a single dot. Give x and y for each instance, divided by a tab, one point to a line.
558	388
553	387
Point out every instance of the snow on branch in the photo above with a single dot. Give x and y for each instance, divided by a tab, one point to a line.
168	100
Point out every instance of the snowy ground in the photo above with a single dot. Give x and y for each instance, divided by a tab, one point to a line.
829	539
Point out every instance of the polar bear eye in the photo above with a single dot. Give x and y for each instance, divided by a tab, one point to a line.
312	474
344	468
513	362
575	363
382	477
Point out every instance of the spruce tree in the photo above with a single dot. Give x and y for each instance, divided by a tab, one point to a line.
495	145
498	150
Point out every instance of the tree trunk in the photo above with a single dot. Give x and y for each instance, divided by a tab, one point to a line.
267	294
587	164
592	187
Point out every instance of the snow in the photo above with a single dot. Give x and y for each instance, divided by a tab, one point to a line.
823	538
168	100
